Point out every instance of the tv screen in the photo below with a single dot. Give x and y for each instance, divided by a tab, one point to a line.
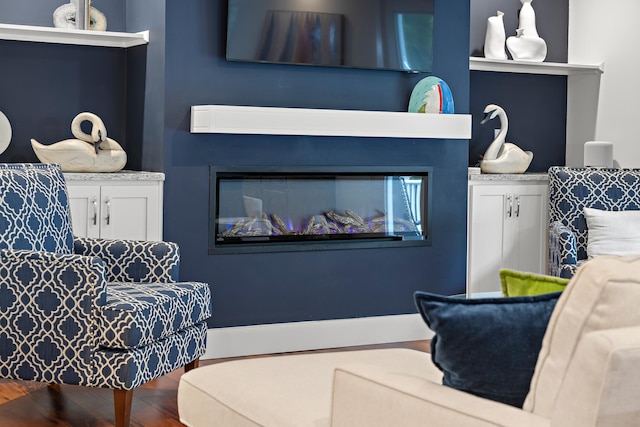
372	34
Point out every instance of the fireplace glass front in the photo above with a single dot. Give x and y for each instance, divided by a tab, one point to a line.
282	209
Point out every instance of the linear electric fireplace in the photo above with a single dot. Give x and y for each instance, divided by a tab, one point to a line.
285	208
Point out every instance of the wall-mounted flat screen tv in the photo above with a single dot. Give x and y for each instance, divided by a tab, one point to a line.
372	34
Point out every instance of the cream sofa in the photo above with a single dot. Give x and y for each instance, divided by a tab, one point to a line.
587	374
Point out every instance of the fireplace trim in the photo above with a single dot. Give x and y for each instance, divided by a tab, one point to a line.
329	244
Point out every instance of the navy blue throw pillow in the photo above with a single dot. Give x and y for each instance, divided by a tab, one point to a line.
487	347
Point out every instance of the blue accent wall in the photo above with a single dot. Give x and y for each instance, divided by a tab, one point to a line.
146	88
296	286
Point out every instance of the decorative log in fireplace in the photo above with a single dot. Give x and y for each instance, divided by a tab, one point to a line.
260	209
329	223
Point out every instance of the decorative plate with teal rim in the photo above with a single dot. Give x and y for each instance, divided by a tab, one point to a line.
431	95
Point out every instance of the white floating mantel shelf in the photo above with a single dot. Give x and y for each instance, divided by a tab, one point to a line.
30	33
319	122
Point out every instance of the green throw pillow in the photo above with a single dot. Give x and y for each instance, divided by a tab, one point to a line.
517	283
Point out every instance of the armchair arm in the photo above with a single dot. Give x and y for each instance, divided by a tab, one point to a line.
133	260
563	252
602	382
367	395
48	315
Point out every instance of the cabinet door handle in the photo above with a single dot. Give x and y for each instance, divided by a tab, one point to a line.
509	206
517	206
94	202
108	217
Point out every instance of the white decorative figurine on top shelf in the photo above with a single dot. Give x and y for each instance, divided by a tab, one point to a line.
527	45
67	16
527	19
495	38
501	156
87	153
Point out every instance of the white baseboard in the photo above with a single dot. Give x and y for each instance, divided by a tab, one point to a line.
313	335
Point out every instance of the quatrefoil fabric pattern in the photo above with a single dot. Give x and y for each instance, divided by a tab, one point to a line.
34	208
138	314
130	369
573	189
49	316
61	320
563	258
133	261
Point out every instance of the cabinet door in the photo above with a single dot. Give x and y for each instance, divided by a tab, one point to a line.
488	210
84	202
527	236
130	212
507	229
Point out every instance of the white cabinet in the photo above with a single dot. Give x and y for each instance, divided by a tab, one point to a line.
507	223
125	205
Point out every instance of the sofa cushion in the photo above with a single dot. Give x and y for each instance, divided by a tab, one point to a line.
488	346
373	396
603	294
137	314
612	232
291	390
518	283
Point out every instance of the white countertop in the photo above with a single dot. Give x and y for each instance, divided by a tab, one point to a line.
527	176
114	176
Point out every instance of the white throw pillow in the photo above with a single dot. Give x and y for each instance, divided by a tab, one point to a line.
612	232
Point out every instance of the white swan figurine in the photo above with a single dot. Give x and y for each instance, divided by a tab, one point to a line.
86	153
501	156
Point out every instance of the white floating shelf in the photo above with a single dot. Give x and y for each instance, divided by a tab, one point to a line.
30	33
549	68
304	121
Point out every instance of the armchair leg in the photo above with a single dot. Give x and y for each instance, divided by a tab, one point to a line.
57	399
122	403
192	365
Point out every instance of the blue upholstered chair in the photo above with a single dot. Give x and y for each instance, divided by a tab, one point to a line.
570	191
91	312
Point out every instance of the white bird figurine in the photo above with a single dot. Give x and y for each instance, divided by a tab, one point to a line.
501	156
86	153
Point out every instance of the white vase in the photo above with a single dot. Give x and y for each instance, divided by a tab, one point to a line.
523	47
527	19
494	40
527	45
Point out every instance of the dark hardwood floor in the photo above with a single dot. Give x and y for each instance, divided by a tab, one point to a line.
30	404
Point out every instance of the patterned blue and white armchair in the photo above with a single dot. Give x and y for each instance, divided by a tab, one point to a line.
91	312
570	191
